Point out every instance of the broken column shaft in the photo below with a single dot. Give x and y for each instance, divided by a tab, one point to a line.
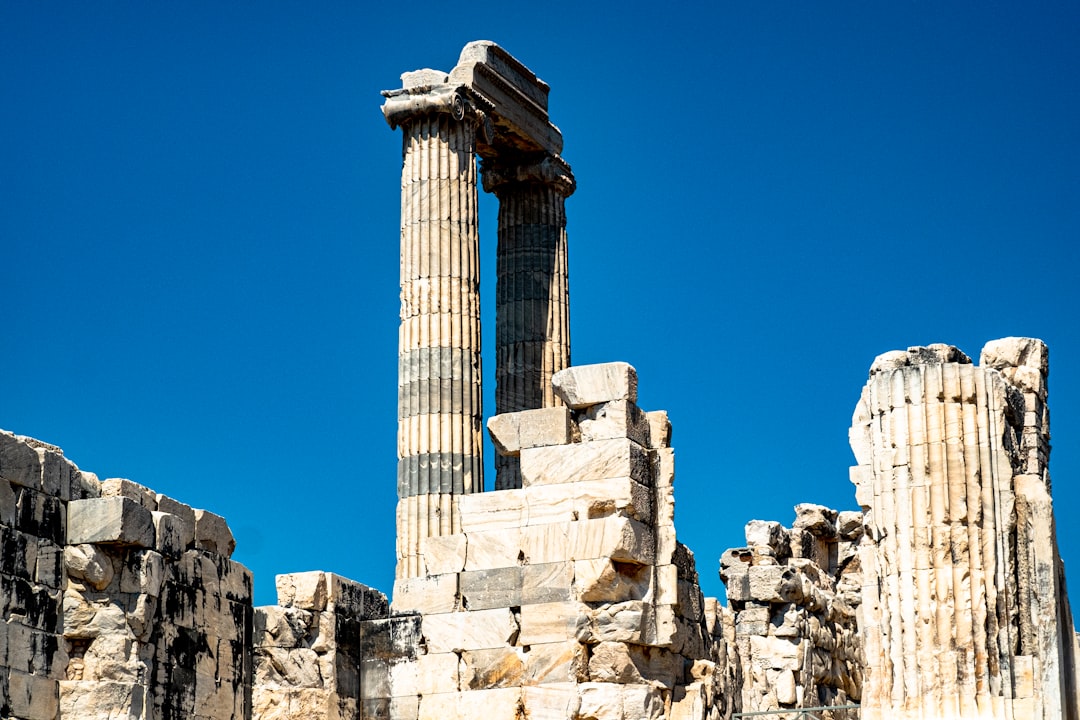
439	398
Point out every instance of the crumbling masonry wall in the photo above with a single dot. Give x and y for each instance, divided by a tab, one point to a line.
794	593
117	602
569	597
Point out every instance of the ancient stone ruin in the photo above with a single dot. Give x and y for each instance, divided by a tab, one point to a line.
564	594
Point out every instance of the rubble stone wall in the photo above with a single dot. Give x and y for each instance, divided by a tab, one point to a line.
793	593
118	602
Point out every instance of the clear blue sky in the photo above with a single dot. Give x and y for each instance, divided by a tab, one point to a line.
199	226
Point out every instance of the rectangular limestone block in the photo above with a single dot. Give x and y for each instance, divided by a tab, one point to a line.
19	462
551	701
437	673
530	428
490	703
546	582
9	508
586	385
122	487
778	653
553	622
468	630
614	419
212	533
110	520
31	697
602	580
394	639
444	553
305	590
622	663
588	499
496	588
659	429
492	668
143	573
597	460
615	538
545	543
40	515
611	701
403	677
556	662
355	601
497	510
433	594
92	699
399	708
172	535
489	549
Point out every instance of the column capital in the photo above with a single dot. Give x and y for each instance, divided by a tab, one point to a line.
550	170
456	100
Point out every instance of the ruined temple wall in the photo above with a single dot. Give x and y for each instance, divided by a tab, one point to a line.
118	601
569	597
311	652
793	593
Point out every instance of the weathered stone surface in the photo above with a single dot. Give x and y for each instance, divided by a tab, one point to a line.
473	630
614	420
598	460
553	623
587	500
530	428
172	536
116	520
19	463
433	594
212	533
444	553
585	385
499	510
816	519
305	590
492	668
122	487
90	564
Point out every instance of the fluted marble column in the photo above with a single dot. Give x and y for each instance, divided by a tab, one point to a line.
532	316
439	396
959	613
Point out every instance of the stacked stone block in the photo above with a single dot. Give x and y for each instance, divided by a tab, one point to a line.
568	597
157	617
793	592
963	612
118	602
308	649
36	482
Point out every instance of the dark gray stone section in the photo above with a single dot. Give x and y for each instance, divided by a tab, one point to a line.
433	473
437	380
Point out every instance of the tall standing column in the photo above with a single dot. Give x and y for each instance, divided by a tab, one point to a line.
439	396
532	315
